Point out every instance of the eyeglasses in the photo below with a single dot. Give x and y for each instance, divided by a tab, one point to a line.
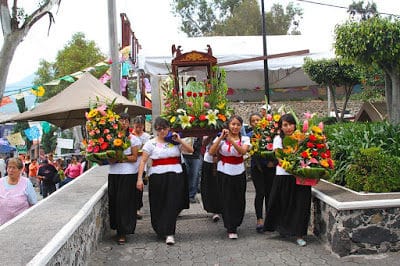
161	128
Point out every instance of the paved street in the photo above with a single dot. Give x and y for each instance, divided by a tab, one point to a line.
199	241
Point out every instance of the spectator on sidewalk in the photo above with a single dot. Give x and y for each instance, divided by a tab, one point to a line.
46	174
73	170
33	172
193	162
16	192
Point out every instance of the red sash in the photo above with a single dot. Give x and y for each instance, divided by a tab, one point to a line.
232	159
164	161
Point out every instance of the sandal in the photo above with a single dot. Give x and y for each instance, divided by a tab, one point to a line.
121	240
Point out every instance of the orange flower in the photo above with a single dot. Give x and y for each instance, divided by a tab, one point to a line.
117	142
222	117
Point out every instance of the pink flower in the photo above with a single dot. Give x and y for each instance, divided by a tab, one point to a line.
189	103
206	105
305	126
102	109
308	115
96	149
321	125
269	117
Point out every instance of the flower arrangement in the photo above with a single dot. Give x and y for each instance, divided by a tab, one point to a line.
305	153
106	138
263	136
202	104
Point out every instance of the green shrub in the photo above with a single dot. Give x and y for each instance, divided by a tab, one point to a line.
369	171
346	139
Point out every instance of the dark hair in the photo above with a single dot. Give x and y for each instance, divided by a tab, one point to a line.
287	118
190	79
254	114
161	122
234	117
125	116
139	120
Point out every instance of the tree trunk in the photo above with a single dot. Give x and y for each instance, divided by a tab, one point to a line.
388	92
394	114
10	44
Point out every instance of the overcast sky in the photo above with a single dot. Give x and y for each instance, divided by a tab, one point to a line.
152	22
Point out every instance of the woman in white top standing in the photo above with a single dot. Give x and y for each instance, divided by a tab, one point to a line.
138	131
122	177
230	147
167	186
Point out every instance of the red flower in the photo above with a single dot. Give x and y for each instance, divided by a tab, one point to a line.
194	94
304	154
313	138
202	117
314	153
189	94
103	146
310	145
192	118
320	146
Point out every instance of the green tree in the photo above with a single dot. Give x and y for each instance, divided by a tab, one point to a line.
230	17
334	73
16	24
76	55
360	11
245	20
375	41
280	22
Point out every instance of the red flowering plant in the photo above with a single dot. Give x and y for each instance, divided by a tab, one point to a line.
305	153
106	138
204	104
263	136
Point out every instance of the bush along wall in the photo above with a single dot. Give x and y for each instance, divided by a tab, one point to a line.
346	140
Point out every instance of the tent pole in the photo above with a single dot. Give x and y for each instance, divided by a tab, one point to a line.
112	31
266	81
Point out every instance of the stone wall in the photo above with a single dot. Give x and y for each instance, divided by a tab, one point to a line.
80	245
359	230
244	109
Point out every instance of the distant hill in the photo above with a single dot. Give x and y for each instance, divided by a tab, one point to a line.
12	89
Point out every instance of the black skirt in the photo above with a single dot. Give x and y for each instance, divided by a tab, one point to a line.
122	202
168	196
209	188
233	195
288	209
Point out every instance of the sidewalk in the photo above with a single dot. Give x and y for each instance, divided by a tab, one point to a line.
199	241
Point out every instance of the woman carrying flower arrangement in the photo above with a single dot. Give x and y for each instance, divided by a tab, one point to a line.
168	189
230	147
122	178
262	169
289	204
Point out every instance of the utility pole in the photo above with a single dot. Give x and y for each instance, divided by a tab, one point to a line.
264	34
112	35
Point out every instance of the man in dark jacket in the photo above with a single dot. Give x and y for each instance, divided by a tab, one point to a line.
46	174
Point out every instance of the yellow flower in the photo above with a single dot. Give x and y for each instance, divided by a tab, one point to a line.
92	113
285	164
212	117
172	119
316	130
221	105
117	142
185	121
276	117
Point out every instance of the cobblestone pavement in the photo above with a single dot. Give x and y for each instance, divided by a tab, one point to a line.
200	241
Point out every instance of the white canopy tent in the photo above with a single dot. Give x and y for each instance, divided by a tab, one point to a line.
232	48
283	72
